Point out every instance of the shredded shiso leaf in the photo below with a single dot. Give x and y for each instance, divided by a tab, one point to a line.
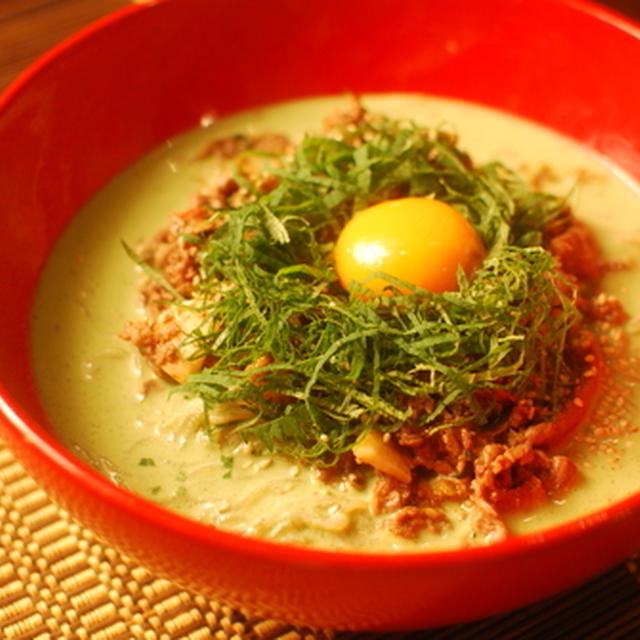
319	366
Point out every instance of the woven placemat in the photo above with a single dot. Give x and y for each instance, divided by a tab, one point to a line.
57	580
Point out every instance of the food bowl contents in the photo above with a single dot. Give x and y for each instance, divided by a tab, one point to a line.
355	334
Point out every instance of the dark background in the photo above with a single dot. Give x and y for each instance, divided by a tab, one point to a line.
629	7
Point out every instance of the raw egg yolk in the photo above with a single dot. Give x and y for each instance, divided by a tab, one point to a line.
418	240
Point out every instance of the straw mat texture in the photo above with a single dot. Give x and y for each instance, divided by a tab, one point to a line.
58	581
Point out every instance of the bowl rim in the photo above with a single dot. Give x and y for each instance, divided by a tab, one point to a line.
34	435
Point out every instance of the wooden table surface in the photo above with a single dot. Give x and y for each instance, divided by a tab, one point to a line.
30	27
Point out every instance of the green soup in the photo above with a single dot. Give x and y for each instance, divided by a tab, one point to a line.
151	441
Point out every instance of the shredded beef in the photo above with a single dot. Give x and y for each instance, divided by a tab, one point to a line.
155	340
409	522
520	477
440	489
178	262
577	252
346	468
445	452
486	523
605	308
390	494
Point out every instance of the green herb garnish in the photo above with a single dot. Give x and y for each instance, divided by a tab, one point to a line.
319	366
227	465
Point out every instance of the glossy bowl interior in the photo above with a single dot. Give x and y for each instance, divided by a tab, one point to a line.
103	98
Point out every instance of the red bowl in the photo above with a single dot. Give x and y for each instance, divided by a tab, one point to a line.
103	98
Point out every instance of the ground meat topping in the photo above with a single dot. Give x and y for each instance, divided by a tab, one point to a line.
520	477
513	464
390	494
486	523
577	252
410	522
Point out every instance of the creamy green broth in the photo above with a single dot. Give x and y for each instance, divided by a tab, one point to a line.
91	380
